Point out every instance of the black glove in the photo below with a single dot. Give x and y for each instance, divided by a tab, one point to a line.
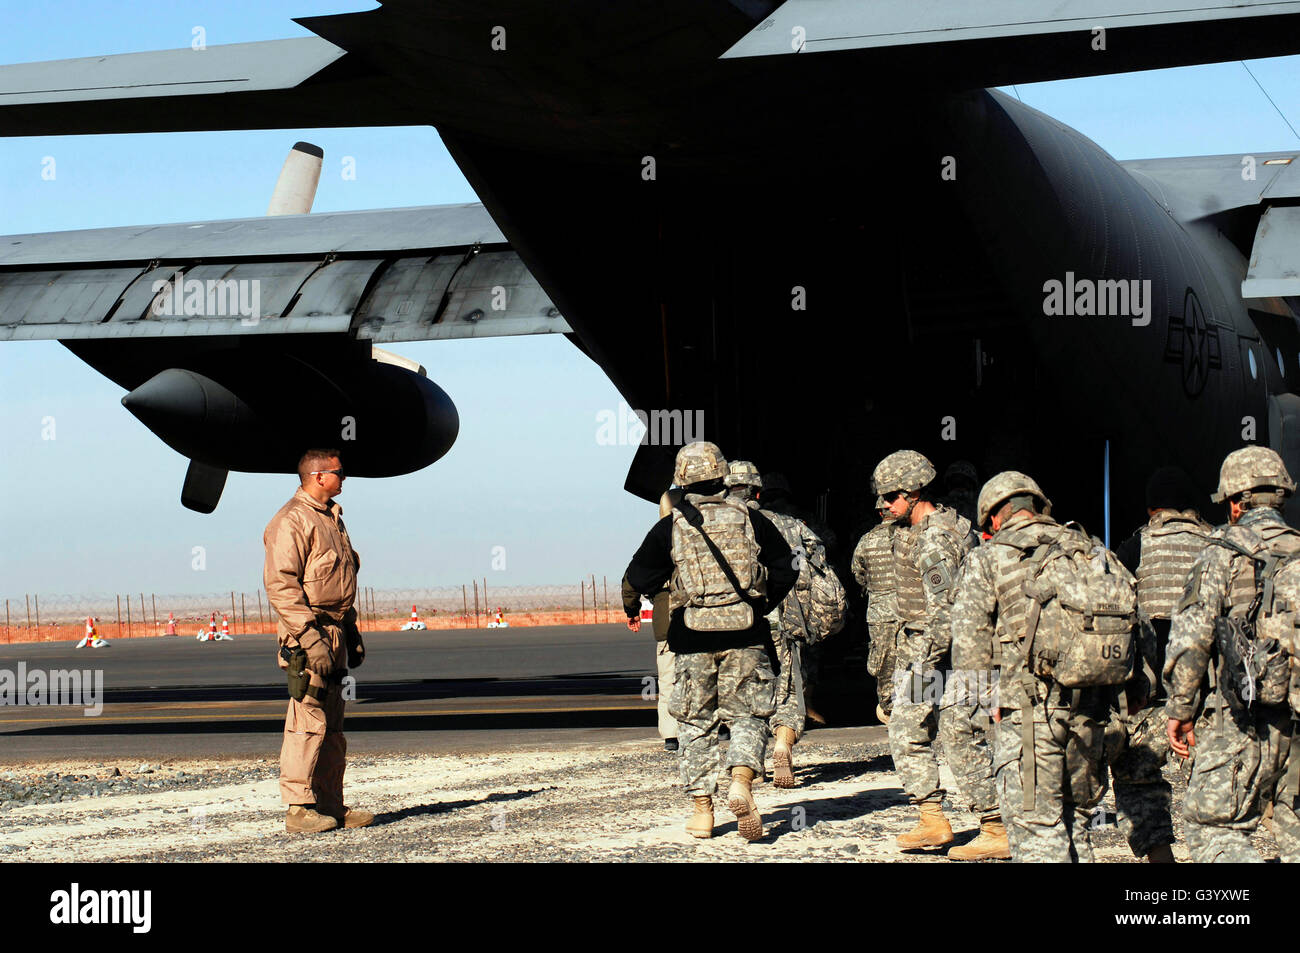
356	647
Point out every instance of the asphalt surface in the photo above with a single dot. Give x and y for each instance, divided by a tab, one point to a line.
418	692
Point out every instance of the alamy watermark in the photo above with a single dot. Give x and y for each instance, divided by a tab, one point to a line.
657	428
190	297
79	688
77	905
1085	297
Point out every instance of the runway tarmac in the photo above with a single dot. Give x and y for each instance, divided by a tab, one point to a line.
418	692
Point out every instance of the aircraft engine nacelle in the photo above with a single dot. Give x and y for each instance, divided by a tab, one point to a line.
259	414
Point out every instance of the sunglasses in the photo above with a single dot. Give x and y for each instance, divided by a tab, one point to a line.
339	472
891	497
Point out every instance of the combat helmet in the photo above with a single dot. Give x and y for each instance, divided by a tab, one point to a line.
1252	468
699	462
743	473
903	470
1003	487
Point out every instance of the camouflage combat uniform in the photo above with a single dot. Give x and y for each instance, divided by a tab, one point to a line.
988	623
873	568
927	558
788	636
1241	755
787	621
735	683
1137	745
735	687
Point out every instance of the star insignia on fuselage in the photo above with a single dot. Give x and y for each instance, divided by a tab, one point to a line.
1193	342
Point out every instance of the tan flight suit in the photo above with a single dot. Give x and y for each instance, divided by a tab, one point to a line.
311	581
665	660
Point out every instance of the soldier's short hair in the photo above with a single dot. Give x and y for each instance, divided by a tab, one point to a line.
315	460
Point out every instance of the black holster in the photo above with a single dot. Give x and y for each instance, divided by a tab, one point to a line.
299	678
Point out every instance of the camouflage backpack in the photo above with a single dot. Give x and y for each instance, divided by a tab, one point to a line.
823	604
716	574
1082	615
1258	652
817	605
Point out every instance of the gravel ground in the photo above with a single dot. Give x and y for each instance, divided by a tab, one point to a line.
594	802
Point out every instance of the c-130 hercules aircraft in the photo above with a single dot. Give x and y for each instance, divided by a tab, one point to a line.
826	269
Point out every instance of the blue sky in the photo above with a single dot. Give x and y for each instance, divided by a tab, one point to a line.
96	509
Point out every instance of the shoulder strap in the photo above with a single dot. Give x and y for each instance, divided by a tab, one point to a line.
1265	565
1235	547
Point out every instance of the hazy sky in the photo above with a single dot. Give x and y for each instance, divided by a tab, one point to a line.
97	509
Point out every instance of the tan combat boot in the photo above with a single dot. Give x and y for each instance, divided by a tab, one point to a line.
352	817
740	801
782	760
1164	854
701	822
991	844
933	829
303	819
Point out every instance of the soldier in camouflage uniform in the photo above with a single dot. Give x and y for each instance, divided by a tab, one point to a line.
1160	555
873	568
1067	727
928	550
727	567
1243	755
788	623
775	497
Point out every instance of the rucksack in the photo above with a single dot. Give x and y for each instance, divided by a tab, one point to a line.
717	575
1082	614
827	602
1258	651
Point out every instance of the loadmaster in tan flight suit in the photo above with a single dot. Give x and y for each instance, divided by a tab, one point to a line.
311	582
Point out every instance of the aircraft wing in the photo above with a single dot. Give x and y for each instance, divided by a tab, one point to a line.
302	82
996	42
406	63
389	275
1251	199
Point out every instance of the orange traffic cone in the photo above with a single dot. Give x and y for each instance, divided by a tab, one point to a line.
415	616
92	639
211	634
225	629
171	625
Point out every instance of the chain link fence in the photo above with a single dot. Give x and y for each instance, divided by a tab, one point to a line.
45	617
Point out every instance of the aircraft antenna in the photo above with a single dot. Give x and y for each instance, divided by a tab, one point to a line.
1270	99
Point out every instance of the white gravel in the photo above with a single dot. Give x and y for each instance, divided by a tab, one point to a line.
591	802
